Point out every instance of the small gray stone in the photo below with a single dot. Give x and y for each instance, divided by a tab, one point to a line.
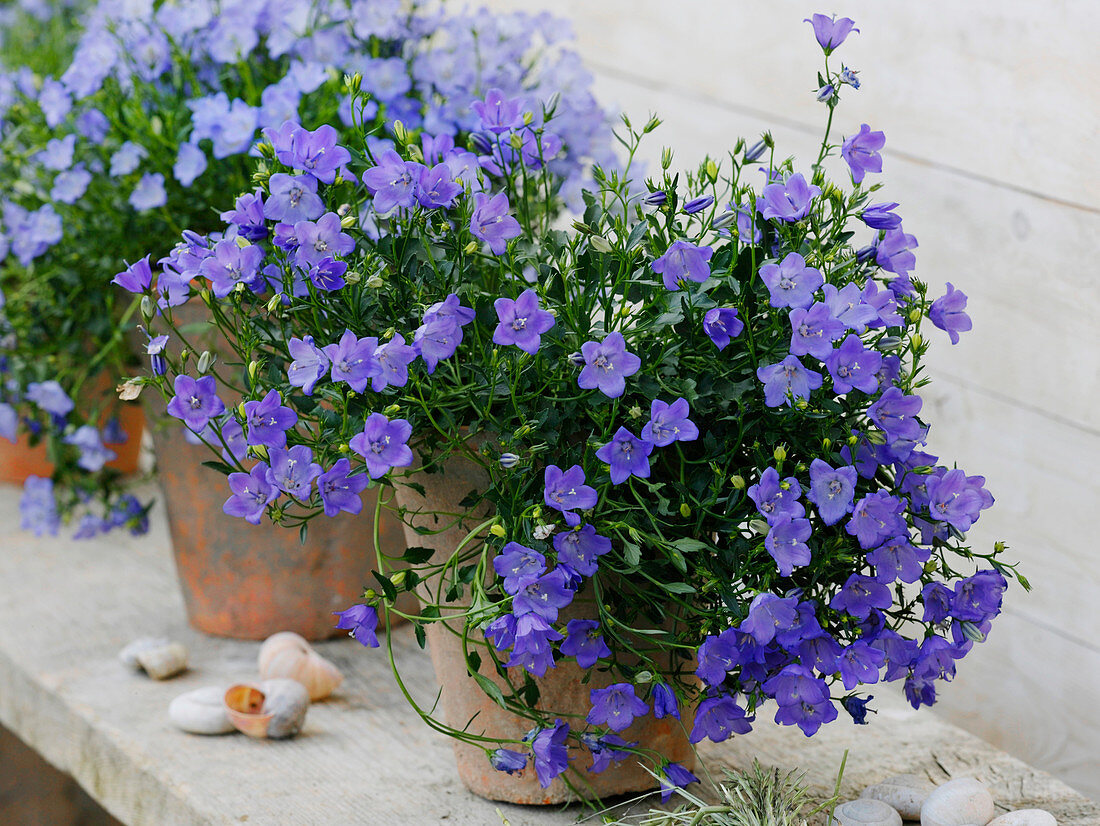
201	711
1025	817
288	702
903	792
865	812
128	656
957	803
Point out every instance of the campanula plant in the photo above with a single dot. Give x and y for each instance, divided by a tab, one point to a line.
697	411
108	156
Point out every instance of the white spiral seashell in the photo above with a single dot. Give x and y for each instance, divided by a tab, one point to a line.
288	655
201	711
958	802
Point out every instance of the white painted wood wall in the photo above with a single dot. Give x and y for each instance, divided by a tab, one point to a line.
992	117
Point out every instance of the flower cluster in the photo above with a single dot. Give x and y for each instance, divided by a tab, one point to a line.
153	112
696	415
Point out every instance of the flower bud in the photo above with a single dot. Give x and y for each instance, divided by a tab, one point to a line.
917	340
274	302
825	93
344	447
148	310
914	315
481	143
643	677
240	411
827	443
972	632
158	365
864	253
889	343
348	221
724	220
666	158
516	141
780	453
353	82
391	410
508	460
205	360
685	510
253	368
655	199
651	124
498	530
753	153
259	451
698	204
400	133
398	578
537	512
376	282
600	244
635	412
470	248
712	171
577	359
528	118
738	482
759	525
875	437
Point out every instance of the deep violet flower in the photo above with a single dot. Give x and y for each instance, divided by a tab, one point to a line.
309	365
543	595
851	365
584	642
506	760
518	564
196	401
340	491
813	331
352	360
786	543
615	706
787	381
383	444
521	321
790	282
360	621
252	493
776	499
268	420
829	31
136	278
861	152
627	456
565	491
674	776
393	359
292	198
392	182
831	490
790	201
664	701
492	222
719	718
948	312
551	756
683	261
722	325
581	549
293	471
607	364
669	423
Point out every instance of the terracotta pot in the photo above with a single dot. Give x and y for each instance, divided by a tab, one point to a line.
251	581
20	460
561	690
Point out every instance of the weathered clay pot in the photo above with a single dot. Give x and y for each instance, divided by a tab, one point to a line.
560	690
251	581
20	460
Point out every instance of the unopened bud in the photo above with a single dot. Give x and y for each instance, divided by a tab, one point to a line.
635	412
205	360
917	340
600	244
498	530
470	248
972	632
889	343
259	451
754	152
827	443
685	510
666	158
400	133
738	482
643	677
712	171
780	453
148	309
655	199
274	302
508	460
759	525
348	221
914	316
253	368
724	220
391	410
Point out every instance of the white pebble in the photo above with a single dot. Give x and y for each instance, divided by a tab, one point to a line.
903	792
865	812
201	711
1025	817
958	802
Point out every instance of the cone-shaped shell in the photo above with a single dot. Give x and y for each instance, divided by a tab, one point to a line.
287	655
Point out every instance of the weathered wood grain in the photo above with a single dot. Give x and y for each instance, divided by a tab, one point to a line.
1000	91
363	758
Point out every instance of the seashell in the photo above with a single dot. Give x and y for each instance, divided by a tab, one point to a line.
287	701
274	709
905	793
1025	817
159	658
957	803
865	812
201	711
128	655
286	654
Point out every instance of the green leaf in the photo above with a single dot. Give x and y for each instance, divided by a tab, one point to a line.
689	545
387	587
421	637
489	687
632	554
678	587
473	661
417	555
220	467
